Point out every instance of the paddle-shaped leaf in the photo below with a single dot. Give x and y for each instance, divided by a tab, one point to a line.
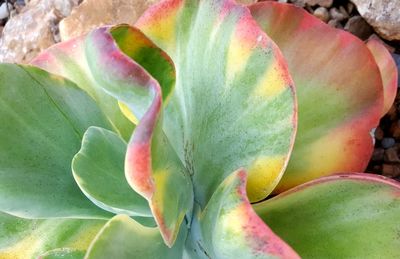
98	169
122	237
152	167
340	216
67	59
233	104
388	70
339	92
23	238
229	228
43	118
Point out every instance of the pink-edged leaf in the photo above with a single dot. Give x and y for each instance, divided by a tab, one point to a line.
229	228
234	103
339	92
351	215
152	167
388	70
67	59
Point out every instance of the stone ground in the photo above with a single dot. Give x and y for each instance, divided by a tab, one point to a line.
34	25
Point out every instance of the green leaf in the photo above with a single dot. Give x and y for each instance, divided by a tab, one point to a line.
233	104
152	167
124	238
229	228
343	216
339	93
23	238
67	59
43	118
63	253
98	168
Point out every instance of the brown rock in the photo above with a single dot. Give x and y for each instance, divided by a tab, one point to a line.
322	14
378	154
392	113
391	155
323	3
343	11
391	171
94	13
335	23
376	169
383	15
379	134
395	129
299	3
31	31
359	27
337	15
349	7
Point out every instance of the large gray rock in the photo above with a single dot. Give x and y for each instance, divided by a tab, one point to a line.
33	30
383	15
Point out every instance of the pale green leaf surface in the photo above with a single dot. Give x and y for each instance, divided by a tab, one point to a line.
124	238
233	104
152	167
67	59
345	216
42	120
98	168
27	239
229	227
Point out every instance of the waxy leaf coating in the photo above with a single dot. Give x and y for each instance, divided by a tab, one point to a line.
67	59
339	93
388	70
122	237
233	104
229	227
98	169
43	120
25	238
339	216
152	167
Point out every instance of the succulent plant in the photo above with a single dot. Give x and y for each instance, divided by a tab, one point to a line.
168	140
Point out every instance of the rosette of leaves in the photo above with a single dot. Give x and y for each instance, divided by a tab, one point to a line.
152	141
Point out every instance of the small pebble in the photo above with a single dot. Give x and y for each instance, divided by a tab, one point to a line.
391	171
359	27
395	129
343	11
335	23
391	155
323	3
388	142
377	155
3	10
322	14
392	113
299	3
379	134
336	14
350	7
